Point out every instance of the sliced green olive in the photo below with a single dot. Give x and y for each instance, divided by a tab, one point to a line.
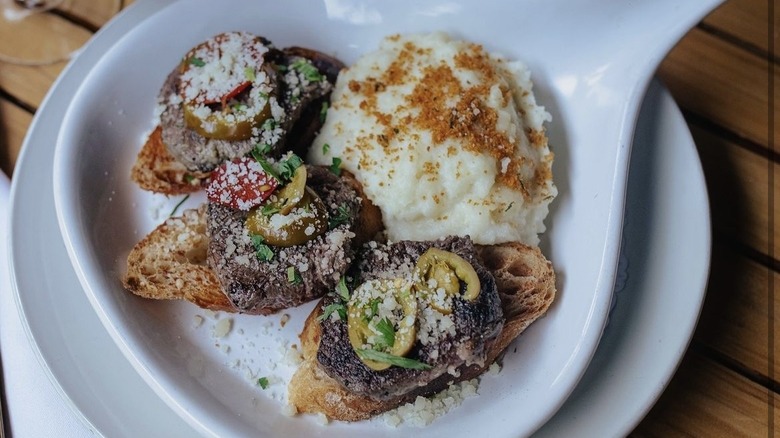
305	222
363	324
291	194
228	124
439	269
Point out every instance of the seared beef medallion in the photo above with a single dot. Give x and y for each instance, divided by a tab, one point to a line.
236	92
282	276
450	331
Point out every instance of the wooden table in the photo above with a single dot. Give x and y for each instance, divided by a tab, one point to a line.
724	76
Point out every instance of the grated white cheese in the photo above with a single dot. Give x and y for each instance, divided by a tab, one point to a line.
222	328
423	411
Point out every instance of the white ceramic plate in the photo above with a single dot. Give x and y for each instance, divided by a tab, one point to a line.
662	278
102	215
93	375
626	375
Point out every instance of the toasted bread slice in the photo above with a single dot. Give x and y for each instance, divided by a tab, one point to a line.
170	262
526	284
158	171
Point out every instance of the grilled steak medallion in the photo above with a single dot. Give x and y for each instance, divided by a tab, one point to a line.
449	335
235	92
289	275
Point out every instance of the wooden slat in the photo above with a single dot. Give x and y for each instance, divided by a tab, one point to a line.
43	35
735	318
738	184
13	126
28	84
96	13
706	399
721	82
746	20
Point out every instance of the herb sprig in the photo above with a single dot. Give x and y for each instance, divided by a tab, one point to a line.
308	70
334	307
342	292
399	361
335	167
293	276
197	62
176	208
340	217
386	331
263	252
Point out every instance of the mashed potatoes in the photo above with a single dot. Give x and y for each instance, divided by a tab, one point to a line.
446	139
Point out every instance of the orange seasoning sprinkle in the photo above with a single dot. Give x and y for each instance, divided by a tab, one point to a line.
448	110
471	122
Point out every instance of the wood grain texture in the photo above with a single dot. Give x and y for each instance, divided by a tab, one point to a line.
719	75
735	318
706	399
722	83
738	184
13	126
744	20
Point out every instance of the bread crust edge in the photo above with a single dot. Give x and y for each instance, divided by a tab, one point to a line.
526	284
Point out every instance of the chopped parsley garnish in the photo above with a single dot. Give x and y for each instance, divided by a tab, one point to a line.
269	210
325	148
283	171
240	107
335	307
386	332
373	306
323	112
197	62
342	290
339	218
263	382
260	151
293	277
179	204
263	95
335	168
267	167
269	124
287	167
262	251
308	70
249	72
403	362
188	178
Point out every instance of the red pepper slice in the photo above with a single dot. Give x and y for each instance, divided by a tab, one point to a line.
229	95
241	184
235	92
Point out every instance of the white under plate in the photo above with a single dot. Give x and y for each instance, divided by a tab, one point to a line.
90	370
